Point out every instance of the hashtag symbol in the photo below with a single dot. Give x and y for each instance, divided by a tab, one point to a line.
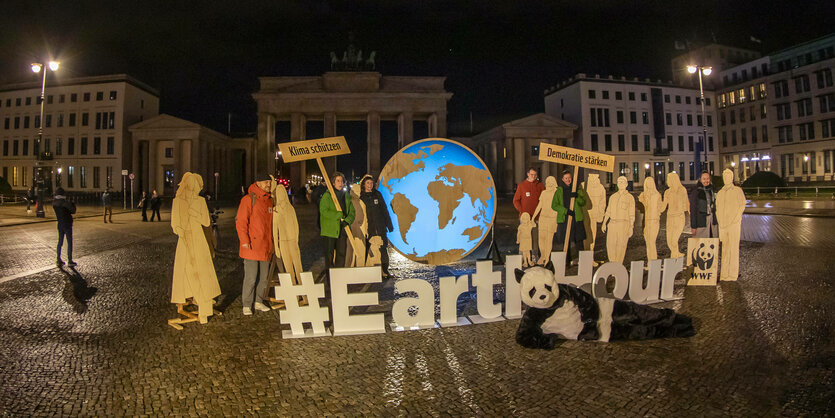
296	315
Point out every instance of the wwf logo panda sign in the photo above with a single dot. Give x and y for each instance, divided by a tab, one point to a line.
703	255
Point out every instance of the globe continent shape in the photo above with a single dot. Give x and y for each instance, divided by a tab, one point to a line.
441	198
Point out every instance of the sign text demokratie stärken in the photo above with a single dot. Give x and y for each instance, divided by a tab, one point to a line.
315	148
576	157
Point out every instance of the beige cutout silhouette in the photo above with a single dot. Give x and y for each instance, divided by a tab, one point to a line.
375	257
286	232
547	220
653	206
523	238
619	220
730	203
359	231
677	205
194	273
595	206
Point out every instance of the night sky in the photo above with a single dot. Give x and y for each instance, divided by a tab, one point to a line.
498	56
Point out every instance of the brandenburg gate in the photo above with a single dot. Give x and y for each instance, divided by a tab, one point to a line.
345	95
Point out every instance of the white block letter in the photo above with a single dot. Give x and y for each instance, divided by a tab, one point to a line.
583	271
637	292
343	322
512	299
425	303
672	266
450	290
484	280
616	270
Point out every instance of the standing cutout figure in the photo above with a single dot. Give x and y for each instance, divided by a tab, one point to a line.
677	204
730	203
523	238
597	206
359	230
619	218
286	232
194	273
547	220
653	206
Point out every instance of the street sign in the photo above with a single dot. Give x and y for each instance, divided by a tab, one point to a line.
217	174
124	172
131	176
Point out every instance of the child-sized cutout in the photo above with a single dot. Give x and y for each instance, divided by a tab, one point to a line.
596	206
560	311
523	238
355	254
677	204
653	206
547	219
618	221
730	203
194	273
375	257
424	302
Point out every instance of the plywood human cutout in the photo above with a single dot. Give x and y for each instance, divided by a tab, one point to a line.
547	220
355	254
194	274
676	204
730	203
286	232
653	204
523	238
618	221
374	254
596	206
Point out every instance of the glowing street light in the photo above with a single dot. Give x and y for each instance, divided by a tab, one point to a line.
36	68
706	71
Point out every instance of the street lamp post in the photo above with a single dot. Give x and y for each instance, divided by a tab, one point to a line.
36	68
706	71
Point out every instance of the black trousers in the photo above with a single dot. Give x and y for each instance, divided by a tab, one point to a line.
335	251
65	232
156	213
384	253
144	212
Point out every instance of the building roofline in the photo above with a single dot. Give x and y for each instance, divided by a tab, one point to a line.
101	79
781	51
579	77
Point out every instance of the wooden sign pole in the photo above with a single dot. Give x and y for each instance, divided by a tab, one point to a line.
574	181
338	207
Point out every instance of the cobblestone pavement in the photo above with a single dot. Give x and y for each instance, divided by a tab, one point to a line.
96	342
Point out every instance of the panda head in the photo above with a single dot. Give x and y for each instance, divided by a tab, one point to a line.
537	287
706	252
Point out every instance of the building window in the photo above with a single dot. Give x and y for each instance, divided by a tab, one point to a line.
83	172
60	120
784	134
645	118
631	96
594	146
668	118
679	120
58	146
646	143
742	136
621	142
592	94
96	177
687	100
83	145
692	170
26	122
689	120
47	121
97	145
111	120
73	97
49	99
606	94
710	143
108	178
608	142
634	143
70	146
87	97
733	138
678	99
666	98
633	117
99	96
111	148
681	143
98	120
669	142
17	122
635	173
689	144
6	148
753	134
15	147
765	133
71	121
732	114
618	95
112	94
724	139
620	116
801	84
534	150
85	119
643	97
806	131
25	147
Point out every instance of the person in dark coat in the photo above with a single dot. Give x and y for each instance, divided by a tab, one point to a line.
143	204
64	210
107	202
156	203
703	209
30	198
379	220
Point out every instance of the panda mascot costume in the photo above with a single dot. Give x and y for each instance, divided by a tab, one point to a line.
560	311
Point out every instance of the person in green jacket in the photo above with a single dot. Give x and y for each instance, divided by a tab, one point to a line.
332	222
562	197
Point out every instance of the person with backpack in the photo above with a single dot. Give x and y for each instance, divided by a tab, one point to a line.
64	210
254	223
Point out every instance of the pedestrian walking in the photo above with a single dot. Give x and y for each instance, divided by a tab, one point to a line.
64	210
254	223
525	200
703	209
156	203
30	198
332	222
143	204
562	205
107	201
379	220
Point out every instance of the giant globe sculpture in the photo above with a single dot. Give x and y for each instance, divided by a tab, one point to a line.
441	198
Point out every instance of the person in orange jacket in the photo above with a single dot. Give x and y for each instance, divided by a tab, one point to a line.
254	223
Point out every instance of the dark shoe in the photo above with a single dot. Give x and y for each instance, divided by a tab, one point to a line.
72	263
59	263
